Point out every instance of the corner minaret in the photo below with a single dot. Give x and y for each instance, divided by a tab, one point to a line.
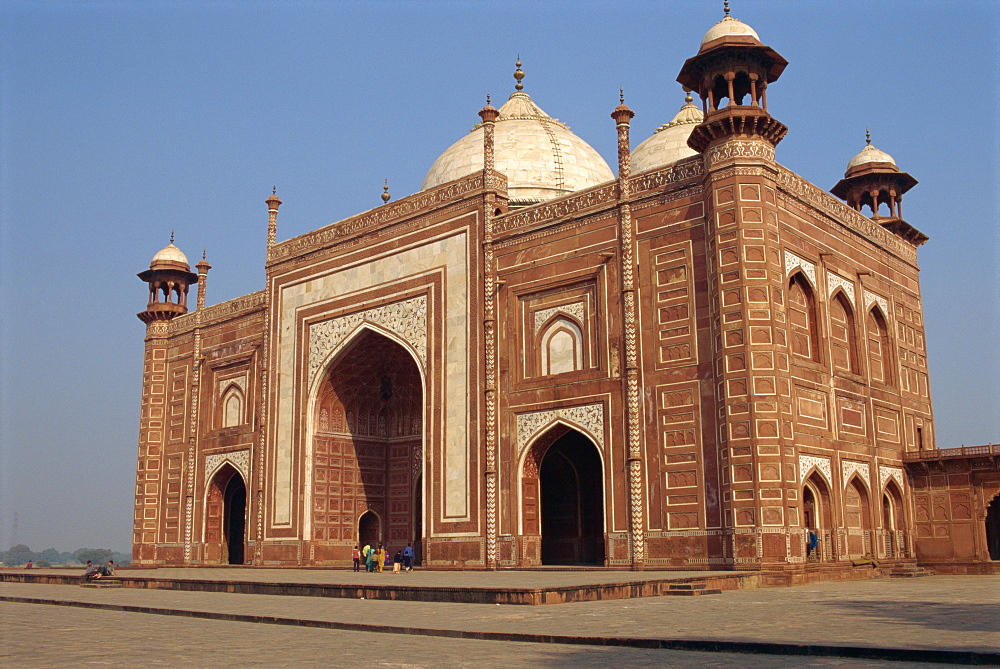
169	276
731	73
873	179
272	217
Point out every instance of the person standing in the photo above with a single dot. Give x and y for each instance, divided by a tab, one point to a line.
356	556
371	557
381	557
813	543
408	557
397	562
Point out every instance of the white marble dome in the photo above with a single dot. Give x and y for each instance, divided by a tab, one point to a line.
169	253
726	27
539	155
870	154
668	144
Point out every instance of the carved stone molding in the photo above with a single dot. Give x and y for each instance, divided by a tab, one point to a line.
792	261
834	281
238	459
740	149
885	473
238	381
682	170
849	468
822	465
574	309
872	298
588	416
406	319
380	216
551	211
804	192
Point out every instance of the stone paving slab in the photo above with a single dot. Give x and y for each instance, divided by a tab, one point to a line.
939	613
54	636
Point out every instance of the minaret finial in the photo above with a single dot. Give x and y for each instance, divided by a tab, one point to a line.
868	136
171	236
687	95
621	94
274	190
204	254
487	99
385	192
725	7
518	74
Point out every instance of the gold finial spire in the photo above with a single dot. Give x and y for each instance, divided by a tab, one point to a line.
725	7
518	74
385	192
868	136
687	95
171	236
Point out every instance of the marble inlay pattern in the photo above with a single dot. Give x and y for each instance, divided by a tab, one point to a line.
849	467
407	318
575	309
238	381
792	261
886	473
872	298
238	459
807	462
588	416
834	281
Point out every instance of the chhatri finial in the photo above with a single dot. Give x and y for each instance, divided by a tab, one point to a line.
171	236
725	7
487	99
621	94
204	254
687	95
868	137
274	190
385	192
518	74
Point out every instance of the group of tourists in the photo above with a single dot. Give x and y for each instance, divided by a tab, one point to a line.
98	571
376	559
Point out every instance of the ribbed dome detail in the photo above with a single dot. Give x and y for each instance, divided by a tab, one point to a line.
539	155
169	253
870	154
728	27
668	144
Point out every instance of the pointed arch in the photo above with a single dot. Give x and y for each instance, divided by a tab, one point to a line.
561	345
993	528
843	334
857	516
802	319
880	364
225	520
232	406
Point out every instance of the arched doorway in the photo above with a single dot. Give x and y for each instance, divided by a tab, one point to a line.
369	533
225	524
893	521
857	519
571	495
367	447
817	515
993	528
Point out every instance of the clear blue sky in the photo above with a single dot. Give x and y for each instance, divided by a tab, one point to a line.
122	121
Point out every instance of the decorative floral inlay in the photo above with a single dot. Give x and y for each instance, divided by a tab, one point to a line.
834	281
589	416
886	473
807	462
792	261
238	381
871	298
575	309
741	150
238	459
848	468
407	318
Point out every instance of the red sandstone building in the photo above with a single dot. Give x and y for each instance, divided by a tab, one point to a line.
534	361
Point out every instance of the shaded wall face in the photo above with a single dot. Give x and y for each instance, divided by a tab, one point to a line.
367	444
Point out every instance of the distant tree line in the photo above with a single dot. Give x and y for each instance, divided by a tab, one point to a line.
19	555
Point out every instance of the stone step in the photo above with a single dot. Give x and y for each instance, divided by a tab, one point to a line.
908	571
102	583
691	589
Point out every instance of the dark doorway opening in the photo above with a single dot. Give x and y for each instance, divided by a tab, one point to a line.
235	507
368	530
993	529
572	500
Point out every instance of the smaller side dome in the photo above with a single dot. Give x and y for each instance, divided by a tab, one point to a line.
870	154
170	254
668	144
729	27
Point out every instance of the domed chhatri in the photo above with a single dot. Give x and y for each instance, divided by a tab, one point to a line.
170	254
870	156
538	154
668	144
729	27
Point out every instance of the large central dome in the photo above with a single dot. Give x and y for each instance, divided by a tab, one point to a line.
540	157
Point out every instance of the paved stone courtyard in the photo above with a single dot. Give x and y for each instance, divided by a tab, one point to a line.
956	613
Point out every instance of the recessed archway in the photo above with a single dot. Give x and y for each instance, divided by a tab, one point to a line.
817	515
571	501
225	523
368	419
369	530
993	528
